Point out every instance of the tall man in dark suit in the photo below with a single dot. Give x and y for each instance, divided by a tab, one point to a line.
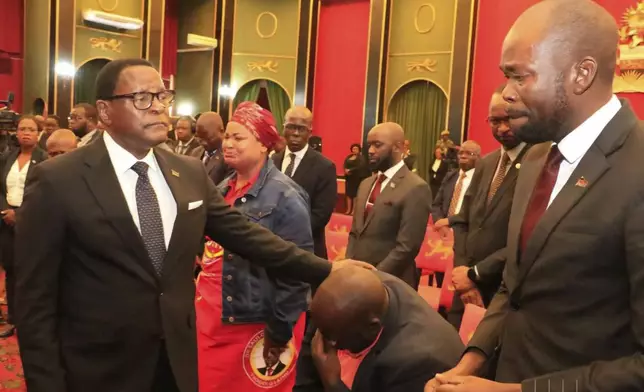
310	170
449	200
570	315
105	299
481	228
391	209
210	132
376	334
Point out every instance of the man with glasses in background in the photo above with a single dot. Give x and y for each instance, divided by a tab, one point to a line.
449	199
83	120
309	169
105	301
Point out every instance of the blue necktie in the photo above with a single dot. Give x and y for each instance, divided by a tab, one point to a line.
149	217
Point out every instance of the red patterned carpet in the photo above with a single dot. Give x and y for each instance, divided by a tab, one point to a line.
11	378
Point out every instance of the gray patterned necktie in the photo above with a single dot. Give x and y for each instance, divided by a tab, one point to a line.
150	221
291	165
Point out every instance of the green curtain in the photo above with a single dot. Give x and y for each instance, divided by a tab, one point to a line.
247	92
279	101
420	108
85	81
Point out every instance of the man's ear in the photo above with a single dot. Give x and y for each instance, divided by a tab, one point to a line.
103	108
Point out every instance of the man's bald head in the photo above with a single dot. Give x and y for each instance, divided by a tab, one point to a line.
298	122
571	31
210	130
60	142
348	308
559	59
386	144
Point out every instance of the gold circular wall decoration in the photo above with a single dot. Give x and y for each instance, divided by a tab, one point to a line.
259	19
108	9
417	18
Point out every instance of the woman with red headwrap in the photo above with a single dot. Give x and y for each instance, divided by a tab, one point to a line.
249	324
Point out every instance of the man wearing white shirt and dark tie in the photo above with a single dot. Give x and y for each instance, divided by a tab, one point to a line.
449	199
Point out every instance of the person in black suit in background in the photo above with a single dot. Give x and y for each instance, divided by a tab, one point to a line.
16	166
481	228
449	199
376	334
437	171
106	300
210	132
310	170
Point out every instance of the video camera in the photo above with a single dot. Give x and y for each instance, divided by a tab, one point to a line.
8	118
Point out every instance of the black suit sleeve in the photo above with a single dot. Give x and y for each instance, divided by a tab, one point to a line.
324	198
491	267
232	231
437	204
621	374
488	333
40	219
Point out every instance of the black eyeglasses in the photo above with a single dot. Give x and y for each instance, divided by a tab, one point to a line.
143	100
296	127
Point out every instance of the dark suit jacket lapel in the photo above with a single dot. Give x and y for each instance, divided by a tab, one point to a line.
11	159
173	178
278	159
304	167
361	202
508	181
104	185
487	178
592	167
530	171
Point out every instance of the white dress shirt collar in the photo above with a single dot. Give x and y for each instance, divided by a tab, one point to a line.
298	155
578	142
391	172
123	160
514	153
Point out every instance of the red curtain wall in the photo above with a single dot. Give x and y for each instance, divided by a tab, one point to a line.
494	19
11	50
340	71
170	39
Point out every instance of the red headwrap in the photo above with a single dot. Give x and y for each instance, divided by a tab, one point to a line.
258	121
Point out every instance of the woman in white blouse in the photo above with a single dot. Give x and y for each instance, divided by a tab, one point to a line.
15	166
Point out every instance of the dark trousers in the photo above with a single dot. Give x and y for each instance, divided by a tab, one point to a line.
8	263
164	380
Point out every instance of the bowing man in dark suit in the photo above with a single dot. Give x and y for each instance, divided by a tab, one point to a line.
376	334
106	300
570	316
210	132
310	170
481	228
16	165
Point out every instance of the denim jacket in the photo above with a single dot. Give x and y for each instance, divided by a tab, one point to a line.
250	293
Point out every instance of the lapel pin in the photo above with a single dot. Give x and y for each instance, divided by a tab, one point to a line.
581	182
175	173
392	185
518	166
33	161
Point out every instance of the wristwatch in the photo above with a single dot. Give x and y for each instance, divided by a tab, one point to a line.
473	274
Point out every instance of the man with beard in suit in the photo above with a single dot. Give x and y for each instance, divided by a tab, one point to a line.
210	132
570	313
310	170
481	228
105	300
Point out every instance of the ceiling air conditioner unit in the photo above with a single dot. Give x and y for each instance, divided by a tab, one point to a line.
112	20
202	41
